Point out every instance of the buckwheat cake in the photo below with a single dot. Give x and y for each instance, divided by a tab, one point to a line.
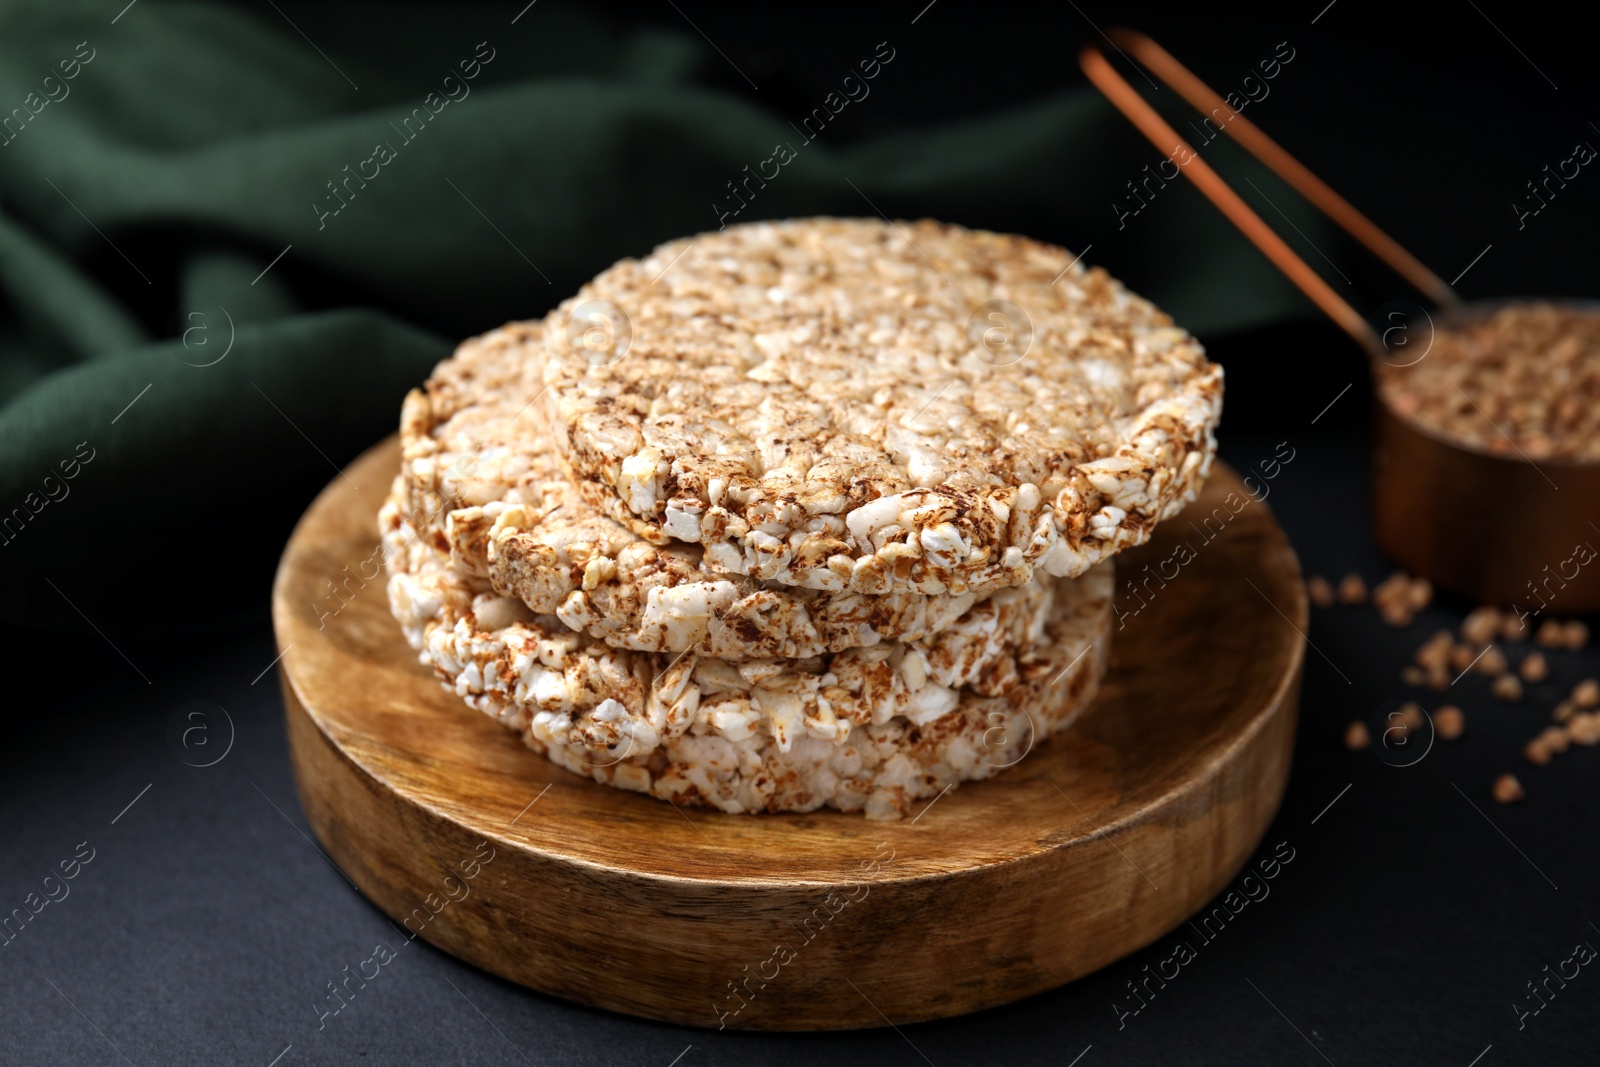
870	730
832	404
486	486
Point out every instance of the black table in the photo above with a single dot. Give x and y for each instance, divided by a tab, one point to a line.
203	924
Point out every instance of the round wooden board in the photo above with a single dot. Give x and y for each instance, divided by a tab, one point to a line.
1104	838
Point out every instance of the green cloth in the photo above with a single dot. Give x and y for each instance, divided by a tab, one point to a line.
142	201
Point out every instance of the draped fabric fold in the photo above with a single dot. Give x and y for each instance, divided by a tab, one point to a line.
225	255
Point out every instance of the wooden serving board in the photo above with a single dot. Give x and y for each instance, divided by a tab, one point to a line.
1104	838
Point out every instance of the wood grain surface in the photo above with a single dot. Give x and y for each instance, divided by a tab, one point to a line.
1104	838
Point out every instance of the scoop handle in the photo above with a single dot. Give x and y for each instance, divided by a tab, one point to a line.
1161	134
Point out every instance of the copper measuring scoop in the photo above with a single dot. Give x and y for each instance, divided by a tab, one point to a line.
1500	529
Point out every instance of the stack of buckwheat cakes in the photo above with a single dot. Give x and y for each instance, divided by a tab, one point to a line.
793	515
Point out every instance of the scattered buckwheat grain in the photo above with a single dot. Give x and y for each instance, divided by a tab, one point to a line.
1396	613
1434	653
1481	626
1551	634
1555	739
1410	716
1393	599
1419	594
1478	649
1492	662
1448	722
1507	687
1356	736
1584	728
1577	634
1507	790
1433	659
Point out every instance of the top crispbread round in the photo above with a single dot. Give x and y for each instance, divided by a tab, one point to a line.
862	405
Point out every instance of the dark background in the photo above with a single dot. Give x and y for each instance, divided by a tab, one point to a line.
1416	909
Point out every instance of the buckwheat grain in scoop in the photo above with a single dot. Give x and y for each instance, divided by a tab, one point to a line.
1525	379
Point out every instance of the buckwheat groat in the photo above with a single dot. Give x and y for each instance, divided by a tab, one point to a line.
871	729
834	404
484	484
1524	378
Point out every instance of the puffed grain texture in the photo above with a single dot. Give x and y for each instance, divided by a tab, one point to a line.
871	730
483	483
832	404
